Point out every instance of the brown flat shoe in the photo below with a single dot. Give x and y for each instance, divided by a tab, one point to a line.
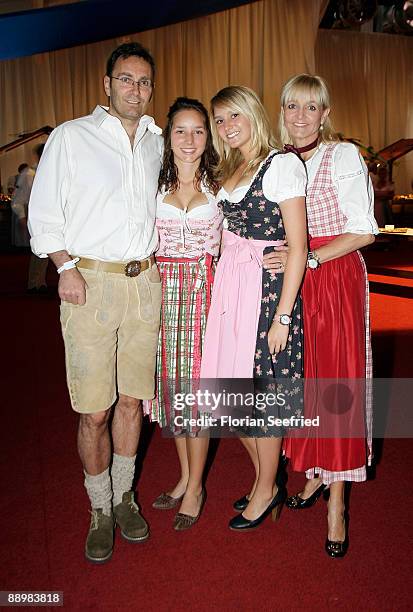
99	543
166	502
133	526
185	521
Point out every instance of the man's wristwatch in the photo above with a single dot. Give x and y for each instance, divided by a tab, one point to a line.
284	319
313	260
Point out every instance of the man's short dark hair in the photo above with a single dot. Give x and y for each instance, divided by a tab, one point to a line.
22	167
130	50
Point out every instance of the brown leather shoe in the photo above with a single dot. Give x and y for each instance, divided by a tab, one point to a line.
186	521
166	502
99	542
133	526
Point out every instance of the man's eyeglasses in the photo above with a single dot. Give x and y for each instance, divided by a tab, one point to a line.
128	82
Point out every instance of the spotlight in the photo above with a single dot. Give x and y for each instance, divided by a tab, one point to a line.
356	12
398	18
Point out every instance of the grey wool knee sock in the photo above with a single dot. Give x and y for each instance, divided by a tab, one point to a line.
99	489
122	472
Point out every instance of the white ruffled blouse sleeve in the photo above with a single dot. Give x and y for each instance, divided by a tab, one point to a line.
355	190
285	178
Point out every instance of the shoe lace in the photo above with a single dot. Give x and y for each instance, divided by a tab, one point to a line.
95	520
134	507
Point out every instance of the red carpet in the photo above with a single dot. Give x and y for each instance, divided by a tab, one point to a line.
278	567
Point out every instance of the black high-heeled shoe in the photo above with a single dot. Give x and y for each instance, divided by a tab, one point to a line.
280	480
337	549
295	502
241	504
240	523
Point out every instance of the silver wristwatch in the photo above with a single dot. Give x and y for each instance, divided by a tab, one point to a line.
284	319
313	260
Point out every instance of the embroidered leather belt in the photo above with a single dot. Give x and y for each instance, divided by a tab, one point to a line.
130	268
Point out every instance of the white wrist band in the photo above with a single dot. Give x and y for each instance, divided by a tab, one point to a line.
68	265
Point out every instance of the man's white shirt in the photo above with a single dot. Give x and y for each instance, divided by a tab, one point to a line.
94	196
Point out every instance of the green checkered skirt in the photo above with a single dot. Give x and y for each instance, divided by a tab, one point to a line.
186	297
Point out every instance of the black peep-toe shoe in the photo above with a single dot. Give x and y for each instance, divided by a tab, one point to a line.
336	549
295	502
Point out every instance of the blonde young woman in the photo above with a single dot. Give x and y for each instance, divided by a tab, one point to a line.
254	323
335	295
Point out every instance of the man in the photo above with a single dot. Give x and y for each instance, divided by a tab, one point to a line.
17	235
20	193
36	282
383	195
12	180
93	211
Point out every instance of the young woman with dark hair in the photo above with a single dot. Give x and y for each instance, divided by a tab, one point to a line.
189	223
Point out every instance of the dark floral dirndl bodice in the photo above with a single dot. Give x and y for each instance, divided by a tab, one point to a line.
257	218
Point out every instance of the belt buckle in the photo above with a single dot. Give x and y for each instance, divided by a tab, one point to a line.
133	268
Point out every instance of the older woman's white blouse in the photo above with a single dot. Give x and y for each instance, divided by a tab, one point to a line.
353	183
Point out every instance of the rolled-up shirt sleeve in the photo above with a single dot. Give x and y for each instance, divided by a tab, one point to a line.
286	178
49	196
355	190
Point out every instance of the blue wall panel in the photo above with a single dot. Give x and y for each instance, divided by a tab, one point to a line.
68	25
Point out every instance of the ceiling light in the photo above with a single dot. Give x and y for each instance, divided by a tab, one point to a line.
399	18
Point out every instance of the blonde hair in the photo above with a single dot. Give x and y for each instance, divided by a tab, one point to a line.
242	100
316	89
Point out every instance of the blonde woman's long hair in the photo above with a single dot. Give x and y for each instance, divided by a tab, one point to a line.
316	89
245	101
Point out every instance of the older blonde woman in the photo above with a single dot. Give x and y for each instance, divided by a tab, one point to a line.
254	324
335	295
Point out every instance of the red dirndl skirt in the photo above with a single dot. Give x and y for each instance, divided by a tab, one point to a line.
334	318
